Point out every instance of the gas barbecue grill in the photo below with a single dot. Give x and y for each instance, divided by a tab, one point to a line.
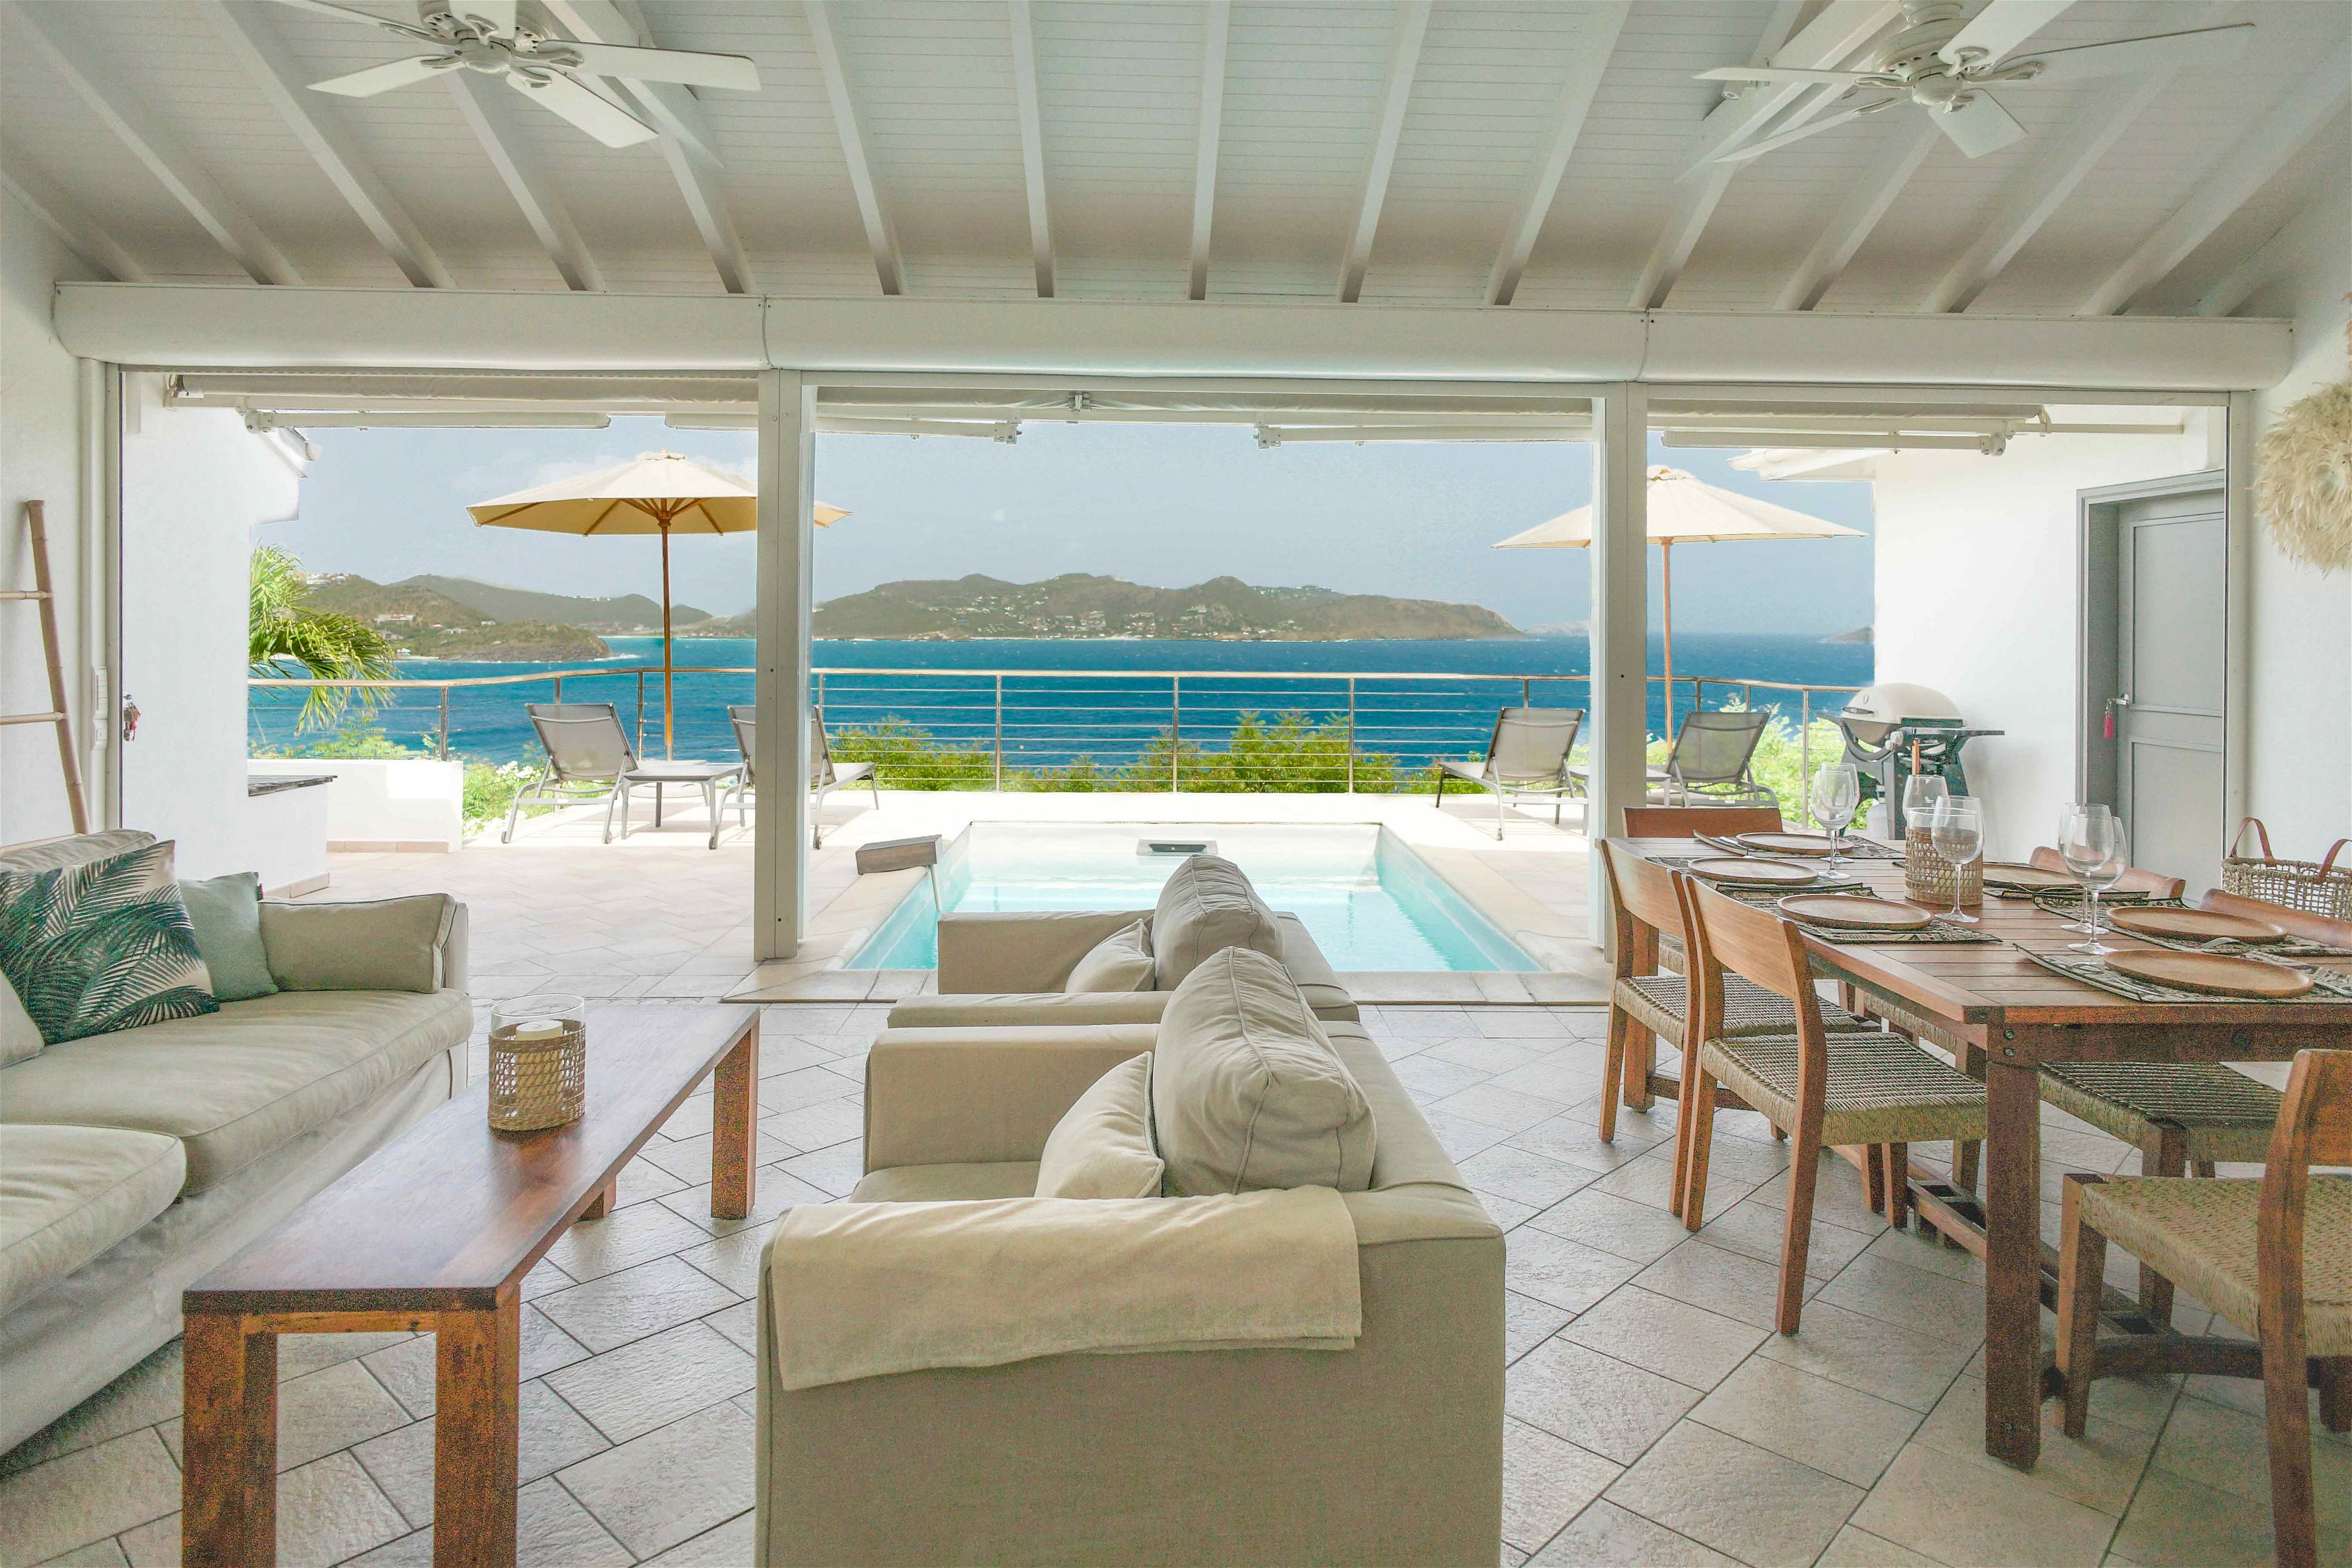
1893	730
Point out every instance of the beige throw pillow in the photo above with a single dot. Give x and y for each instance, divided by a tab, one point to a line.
1120	961
1207	906
1246	1089
1101	1148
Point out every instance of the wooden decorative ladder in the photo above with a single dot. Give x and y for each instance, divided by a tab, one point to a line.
44	594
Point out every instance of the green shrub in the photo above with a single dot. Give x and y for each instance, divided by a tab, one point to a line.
905	756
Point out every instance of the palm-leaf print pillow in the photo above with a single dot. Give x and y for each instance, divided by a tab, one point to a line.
101	946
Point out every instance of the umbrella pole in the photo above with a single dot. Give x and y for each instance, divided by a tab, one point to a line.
669	734
1666	596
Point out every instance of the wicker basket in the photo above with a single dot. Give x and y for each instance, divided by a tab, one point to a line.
2315	886
1928	876
539	1064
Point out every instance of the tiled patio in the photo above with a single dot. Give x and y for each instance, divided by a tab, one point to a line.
1654	1418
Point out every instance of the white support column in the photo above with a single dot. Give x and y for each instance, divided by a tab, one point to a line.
1620	637
780	841
2238	530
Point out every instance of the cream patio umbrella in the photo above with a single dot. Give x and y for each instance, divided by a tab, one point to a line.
654	492
1684	510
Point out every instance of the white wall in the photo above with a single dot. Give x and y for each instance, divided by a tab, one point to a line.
40	460
2301	740
1977	573
195	484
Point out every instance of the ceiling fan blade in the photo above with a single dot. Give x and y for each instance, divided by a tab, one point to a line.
383	79
692	67
1999	27
2203	46
1742	153
352	14
1779	73
590	111
1979	127
498	14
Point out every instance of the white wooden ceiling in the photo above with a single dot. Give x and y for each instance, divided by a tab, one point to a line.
148	139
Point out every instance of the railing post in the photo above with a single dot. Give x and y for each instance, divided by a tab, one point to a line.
1351	734
1175	733
442	750
559	689
1000	734
1805	746
641	712
1527	692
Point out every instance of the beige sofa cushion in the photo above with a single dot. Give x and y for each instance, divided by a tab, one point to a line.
20	1038
1206	907
1120	961
77	850
379	945
1102	1146
68	1194
236	1084
948	1184
1246	1089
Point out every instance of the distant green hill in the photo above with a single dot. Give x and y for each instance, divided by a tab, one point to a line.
496	602
432	624
1084	605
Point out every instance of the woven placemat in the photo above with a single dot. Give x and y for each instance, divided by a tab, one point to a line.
1938	929
1852	849
1822	883
2331	988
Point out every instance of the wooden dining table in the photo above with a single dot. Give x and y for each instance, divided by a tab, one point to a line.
2019	1016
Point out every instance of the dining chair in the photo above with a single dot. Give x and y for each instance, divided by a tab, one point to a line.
1825	1088
2146	884
1690	821
1526	754
1646	1006
2272	1256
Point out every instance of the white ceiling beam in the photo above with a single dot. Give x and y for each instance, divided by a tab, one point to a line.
689	148
2307	242
879	236
1602	23
2068	158
2244	170
1873	194
1024	30
1216	28
1828	41
330	145
57	39
483	102
63	217
1413	25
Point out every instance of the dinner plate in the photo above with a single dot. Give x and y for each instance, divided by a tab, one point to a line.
1754	873
2193	925
1784	843
2216	973
1853	912
2030	878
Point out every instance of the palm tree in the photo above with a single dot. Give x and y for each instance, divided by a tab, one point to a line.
285	634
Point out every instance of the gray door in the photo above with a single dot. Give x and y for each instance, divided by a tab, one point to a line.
2171	625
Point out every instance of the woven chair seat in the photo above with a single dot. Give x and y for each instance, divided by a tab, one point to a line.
2226	1114
2201	1232
1882	1088
1659	1003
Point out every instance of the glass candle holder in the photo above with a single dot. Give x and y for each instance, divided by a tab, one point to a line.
539	1062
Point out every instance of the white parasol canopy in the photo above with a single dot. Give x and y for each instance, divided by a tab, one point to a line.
654	492
1684	510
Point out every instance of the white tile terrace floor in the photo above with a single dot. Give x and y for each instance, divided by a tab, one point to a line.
1654	1416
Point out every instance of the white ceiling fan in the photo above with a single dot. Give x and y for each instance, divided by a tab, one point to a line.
1944	66
488	37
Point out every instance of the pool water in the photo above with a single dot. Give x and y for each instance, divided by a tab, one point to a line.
1368	899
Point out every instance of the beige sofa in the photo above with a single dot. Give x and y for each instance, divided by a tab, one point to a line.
1386	1453
131	1163
1008	970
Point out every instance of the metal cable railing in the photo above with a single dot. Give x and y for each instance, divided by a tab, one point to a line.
1036	727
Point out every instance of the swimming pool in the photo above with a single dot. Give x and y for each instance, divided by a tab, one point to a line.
1368	899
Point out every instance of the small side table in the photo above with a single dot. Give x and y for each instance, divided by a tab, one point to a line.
710	775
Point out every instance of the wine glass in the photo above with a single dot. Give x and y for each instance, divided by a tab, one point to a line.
2091	842
1955	828
1920	794
1836	791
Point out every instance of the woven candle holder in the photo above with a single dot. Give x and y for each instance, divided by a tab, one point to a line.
1927	877
539	1062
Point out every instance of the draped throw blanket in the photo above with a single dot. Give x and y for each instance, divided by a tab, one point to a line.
863	1289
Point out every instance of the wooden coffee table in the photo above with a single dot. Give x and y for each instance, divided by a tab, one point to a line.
433	1234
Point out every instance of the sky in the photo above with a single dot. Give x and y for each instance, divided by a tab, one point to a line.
1163	505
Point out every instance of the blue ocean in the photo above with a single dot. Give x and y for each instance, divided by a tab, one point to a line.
1051	701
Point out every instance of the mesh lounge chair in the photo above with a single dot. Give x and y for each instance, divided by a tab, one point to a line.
1710	761
1528	754
825	775
588	754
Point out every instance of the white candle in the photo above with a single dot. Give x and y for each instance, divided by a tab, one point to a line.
537	1029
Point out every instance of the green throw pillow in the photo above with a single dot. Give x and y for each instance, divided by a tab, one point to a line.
103	945
226	914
